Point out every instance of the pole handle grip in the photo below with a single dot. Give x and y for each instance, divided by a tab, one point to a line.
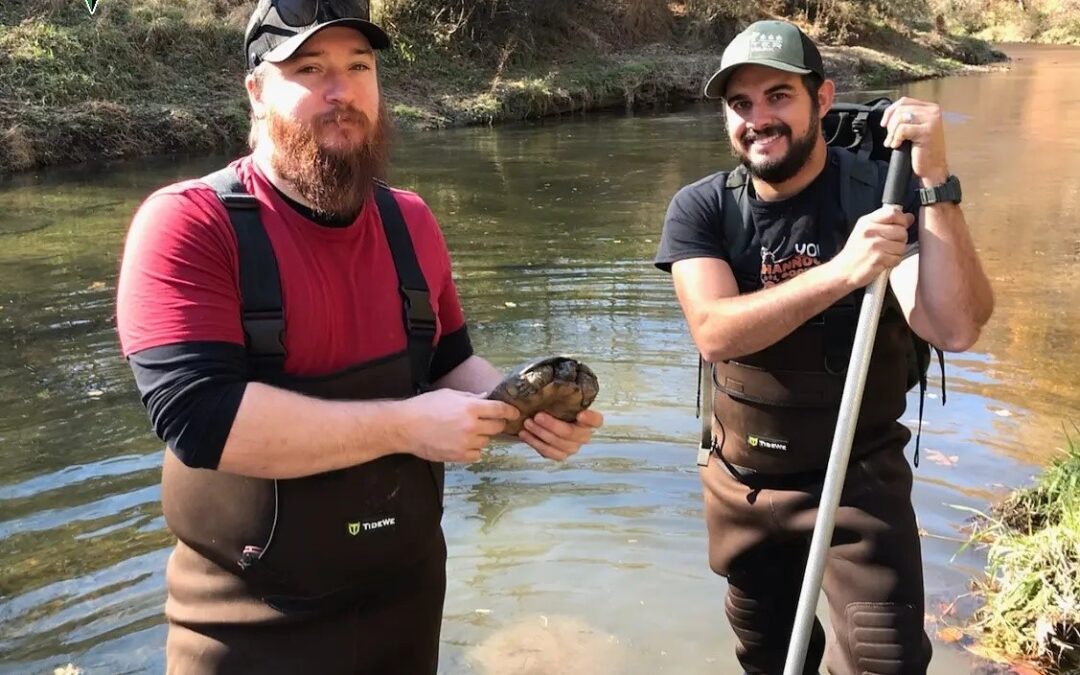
896	181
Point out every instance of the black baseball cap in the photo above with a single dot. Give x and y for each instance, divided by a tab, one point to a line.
278	27
775	44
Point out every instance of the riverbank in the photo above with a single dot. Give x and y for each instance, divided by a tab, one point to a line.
1036	21
1031	602
150	78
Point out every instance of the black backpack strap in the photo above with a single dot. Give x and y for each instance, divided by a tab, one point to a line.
705	405
922	396
419	317
861	126
735	211
857	184
737	225
861	185
263	313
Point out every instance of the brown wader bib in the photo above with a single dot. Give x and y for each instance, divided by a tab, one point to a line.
774	415
775	410
341	572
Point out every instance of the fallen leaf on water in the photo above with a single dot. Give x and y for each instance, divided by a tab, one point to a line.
944	460
950	634
97	285
947	608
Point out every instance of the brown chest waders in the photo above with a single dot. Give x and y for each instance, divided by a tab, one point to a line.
759	532
341	572
773	418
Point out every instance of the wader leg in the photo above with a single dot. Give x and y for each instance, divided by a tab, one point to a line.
402	638
318	646
398	635
874	580
764	572
761	605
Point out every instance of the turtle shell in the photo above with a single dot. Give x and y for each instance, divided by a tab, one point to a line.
558	385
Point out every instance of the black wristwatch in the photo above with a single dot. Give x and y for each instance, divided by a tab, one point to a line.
949	191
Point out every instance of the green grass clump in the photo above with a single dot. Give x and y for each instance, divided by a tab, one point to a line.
1032	591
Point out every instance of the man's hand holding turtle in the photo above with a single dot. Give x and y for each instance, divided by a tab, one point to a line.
553	396
557	440
453	426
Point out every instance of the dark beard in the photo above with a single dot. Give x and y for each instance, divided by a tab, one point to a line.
334	181
784	168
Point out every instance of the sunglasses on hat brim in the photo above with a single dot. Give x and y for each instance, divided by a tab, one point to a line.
301	13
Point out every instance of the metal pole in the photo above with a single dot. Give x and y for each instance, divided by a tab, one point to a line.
895	188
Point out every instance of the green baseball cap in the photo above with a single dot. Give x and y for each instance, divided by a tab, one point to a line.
774	44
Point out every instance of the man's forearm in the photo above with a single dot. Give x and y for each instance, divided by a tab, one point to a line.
744	324
954	299
282	434
474	375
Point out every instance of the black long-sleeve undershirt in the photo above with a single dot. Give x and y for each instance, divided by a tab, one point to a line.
192	391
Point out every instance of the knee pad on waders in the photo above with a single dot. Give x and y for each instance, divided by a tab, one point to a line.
886	638
763	639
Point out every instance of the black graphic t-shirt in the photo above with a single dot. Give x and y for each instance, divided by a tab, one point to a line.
790	236
798	233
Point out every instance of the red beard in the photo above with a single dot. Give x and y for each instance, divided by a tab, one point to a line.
334	180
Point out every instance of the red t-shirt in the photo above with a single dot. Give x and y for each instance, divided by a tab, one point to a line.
179	278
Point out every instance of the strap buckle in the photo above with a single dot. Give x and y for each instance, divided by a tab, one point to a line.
263	332
419	317
239	200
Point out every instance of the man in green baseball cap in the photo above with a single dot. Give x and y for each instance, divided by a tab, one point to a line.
769	261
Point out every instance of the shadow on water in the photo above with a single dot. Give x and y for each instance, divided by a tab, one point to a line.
594	566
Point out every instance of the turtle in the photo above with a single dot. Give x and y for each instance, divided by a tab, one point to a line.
558	385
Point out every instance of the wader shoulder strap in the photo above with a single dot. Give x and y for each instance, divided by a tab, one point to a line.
419	318
263	315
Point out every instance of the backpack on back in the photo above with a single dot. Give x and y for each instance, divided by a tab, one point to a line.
856	127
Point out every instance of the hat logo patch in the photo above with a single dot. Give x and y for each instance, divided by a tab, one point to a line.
766	42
